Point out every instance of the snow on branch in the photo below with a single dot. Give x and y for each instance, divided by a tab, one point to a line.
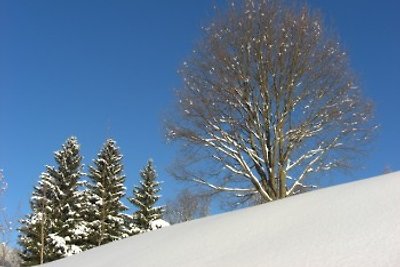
222	188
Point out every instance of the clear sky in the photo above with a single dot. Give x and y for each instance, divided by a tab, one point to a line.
99	69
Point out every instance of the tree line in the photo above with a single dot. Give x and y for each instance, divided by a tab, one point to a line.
70	214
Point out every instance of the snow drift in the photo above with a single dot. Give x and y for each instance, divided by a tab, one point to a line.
355	224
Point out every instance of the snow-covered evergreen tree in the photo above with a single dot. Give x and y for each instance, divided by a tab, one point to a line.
145	198
106	220
54	228
35	228
67	233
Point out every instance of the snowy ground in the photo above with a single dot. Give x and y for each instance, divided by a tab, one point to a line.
356	224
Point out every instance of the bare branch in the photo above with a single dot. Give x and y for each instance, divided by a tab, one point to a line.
221	188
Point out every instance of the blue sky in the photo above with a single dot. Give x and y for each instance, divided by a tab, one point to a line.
99	69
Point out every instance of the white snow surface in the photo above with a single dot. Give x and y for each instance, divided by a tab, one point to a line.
355	224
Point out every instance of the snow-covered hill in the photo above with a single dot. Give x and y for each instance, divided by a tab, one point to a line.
355	224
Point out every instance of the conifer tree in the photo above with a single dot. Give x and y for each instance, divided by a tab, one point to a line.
34	231
145	198
67	233
106	220
54	228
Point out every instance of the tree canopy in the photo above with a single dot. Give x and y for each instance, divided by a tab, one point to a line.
268	101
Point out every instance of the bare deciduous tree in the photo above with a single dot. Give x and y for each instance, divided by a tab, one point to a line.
8	256
4	223
387	169
186	207
270	99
